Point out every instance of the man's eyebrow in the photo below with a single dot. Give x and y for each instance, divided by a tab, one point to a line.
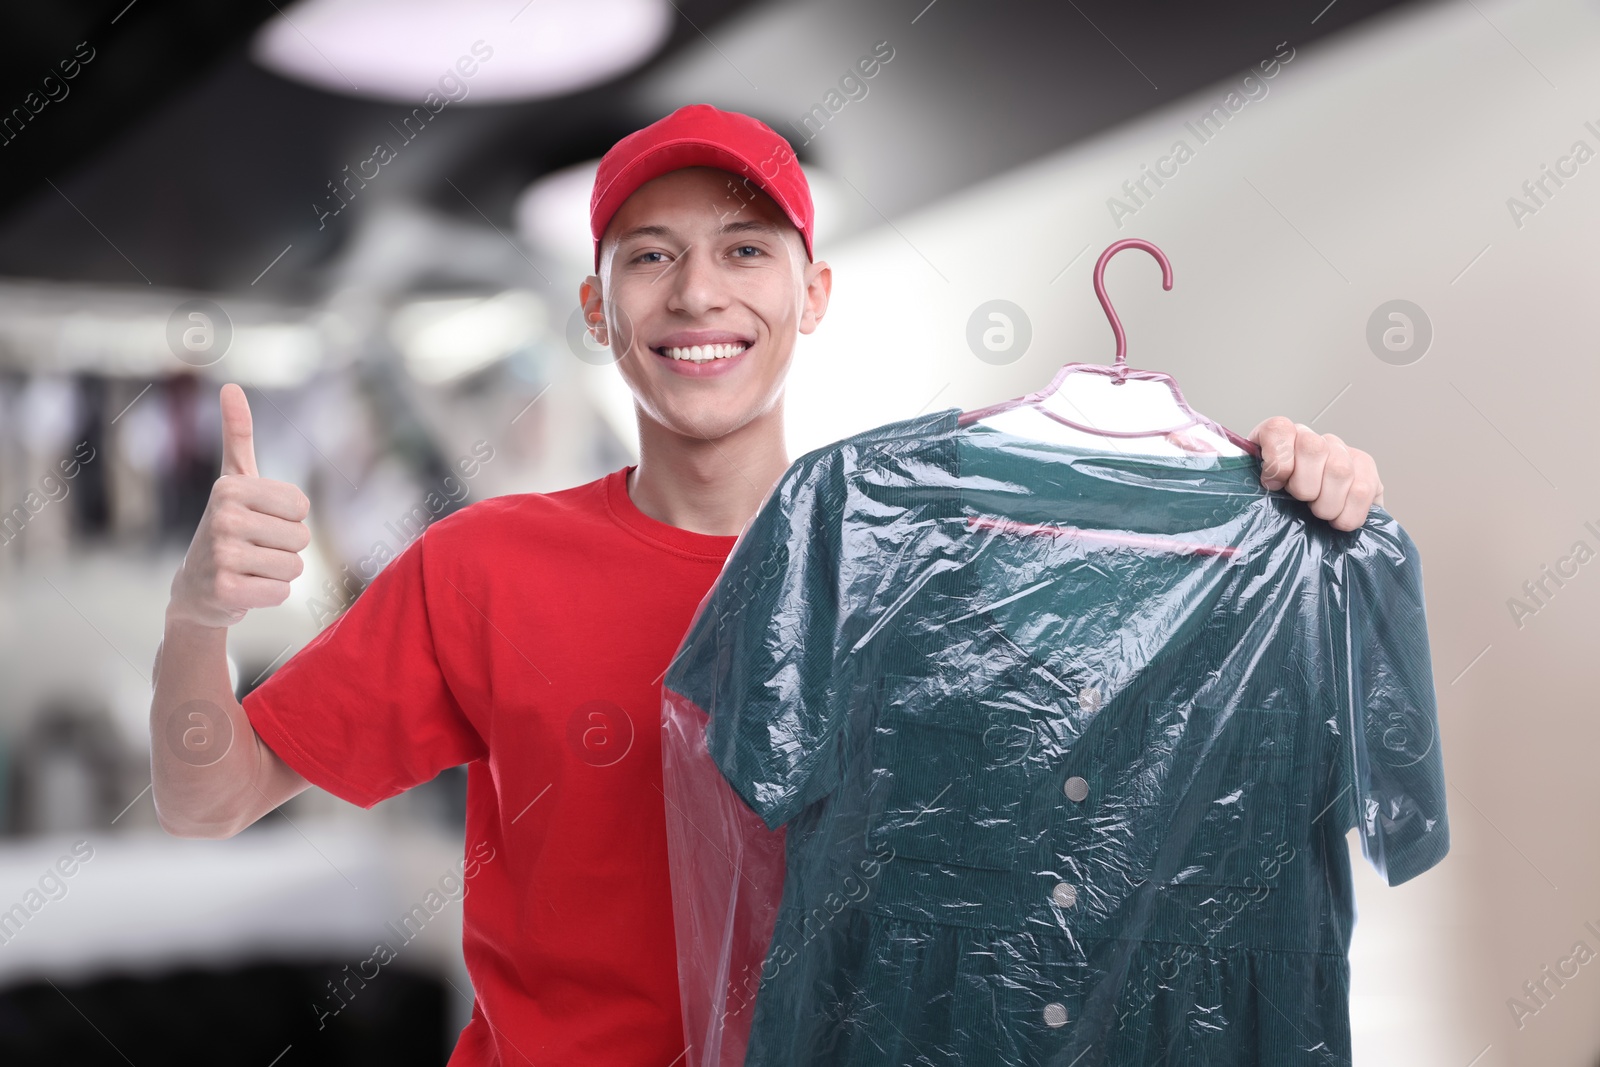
741	226
750	226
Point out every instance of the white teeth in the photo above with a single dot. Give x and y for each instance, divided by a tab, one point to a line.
703	353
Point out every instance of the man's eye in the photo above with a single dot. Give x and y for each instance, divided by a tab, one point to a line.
752	248
641	256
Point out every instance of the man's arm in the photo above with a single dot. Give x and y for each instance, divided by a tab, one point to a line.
1340	483
212	775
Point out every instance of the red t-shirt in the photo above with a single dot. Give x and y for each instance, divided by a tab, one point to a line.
525	636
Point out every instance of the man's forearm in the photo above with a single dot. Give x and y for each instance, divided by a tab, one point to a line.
204	759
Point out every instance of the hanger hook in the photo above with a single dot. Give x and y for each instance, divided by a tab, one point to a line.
1105	301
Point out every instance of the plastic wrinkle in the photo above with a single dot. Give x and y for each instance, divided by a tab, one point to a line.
1161	543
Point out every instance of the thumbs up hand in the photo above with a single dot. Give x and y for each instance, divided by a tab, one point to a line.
247	548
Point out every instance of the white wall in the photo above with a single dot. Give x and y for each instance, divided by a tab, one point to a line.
1387	155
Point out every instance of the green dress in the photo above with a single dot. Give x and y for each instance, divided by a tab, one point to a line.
1054	797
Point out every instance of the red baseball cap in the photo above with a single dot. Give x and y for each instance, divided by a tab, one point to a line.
699	135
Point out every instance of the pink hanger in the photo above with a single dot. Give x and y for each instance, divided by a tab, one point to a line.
1119	371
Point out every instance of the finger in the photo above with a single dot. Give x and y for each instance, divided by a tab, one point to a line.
1351	518
1337	472
1366	476
1364	490
283	500
283	535
269	563
1310	451
238	443
1276	437
269	531
244	591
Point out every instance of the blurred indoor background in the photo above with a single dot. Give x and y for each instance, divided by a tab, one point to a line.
199	202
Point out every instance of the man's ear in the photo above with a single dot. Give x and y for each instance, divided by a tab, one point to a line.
591	297
818	288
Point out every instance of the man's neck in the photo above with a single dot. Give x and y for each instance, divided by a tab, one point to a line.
709	487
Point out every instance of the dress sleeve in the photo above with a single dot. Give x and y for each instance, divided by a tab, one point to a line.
1398	768
763	658
363	710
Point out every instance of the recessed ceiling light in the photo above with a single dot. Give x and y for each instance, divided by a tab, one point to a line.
445	338
464	51
552	214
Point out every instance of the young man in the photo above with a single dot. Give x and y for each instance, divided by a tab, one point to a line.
526	635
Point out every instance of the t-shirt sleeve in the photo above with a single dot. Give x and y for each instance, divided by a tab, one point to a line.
1398	767
363	710
763	657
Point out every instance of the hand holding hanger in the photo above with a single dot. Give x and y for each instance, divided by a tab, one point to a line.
1339	482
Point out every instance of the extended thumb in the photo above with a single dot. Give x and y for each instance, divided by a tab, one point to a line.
238	441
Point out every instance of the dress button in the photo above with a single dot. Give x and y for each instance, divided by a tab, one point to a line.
1075	788
1064	895
1089	698
1055	1015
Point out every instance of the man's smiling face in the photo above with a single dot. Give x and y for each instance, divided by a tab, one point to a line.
705	290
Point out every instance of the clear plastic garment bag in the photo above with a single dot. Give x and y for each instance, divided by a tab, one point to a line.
1032	735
